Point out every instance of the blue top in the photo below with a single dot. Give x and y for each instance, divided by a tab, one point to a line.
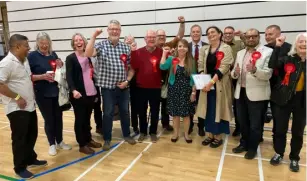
168	66
39	64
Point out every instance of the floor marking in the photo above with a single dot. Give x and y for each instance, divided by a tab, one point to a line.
219	172
260	168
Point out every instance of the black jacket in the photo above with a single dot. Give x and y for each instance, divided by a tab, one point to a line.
74	74
281	94
284	49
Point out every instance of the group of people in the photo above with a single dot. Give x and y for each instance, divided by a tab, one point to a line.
245	77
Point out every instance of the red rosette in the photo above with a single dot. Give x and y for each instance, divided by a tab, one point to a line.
219	57
289	68
255	56
52	63
154	61
123	58
175	62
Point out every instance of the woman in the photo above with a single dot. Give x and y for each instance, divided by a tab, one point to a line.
79	74
289	96
215	105
181	93
47	91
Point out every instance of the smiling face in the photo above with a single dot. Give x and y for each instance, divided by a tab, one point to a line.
213	35
301	45
79	44
228	35
44	46
196	33
114	31
182	49
150	39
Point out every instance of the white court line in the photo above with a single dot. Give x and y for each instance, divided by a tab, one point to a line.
100	160
263	159
4	126
260	168
219	172
133	162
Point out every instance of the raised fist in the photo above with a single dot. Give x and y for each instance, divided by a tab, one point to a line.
280	40
97	32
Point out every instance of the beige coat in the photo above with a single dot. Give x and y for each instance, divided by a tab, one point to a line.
223	87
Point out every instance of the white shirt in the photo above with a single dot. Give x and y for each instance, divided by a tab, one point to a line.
17	76
194	46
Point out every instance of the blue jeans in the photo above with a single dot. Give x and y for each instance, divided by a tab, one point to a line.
111	97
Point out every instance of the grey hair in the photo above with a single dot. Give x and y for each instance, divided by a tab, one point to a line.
113	21
72	41
293	50
43	36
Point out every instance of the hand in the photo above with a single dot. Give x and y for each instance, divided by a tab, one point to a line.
133	46
122	85
21	103
207	87
97	32
76	94
166	50
181	19
193	97
48	77
250	67
237	69
237	33
280	41
59	63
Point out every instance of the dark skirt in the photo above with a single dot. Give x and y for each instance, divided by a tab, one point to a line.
210	125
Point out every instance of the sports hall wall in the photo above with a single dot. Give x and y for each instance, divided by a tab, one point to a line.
62	19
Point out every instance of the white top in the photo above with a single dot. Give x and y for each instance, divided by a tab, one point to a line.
17	76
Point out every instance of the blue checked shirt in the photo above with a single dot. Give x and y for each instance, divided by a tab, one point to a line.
111	69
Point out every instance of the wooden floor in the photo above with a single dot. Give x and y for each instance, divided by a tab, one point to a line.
161	161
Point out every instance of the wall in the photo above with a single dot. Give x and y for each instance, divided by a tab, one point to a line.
62	19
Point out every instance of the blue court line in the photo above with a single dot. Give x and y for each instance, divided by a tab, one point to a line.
70	163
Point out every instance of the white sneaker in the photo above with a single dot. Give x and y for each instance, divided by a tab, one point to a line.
63	146
52	150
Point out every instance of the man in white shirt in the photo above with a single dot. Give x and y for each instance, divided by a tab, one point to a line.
18	97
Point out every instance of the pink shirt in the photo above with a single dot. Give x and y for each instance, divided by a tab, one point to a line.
90	88
246	61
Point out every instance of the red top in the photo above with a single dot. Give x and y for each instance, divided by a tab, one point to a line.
148	73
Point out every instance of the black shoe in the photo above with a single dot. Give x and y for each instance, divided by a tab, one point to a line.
174	140
207	141
294	166
236	132
276	159
25	174
188	141
136	131
239	149
250	155
168	128
216	143
38	163
201	132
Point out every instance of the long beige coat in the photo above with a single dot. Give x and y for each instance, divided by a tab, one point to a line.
223	89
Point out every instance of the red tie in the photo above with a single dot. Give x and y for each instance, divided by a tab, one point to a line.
196	53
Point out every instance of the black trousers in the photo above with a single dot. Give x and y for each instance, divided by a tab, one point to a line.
98	111
164	113
250	117
83	109
201	122
134	107
153	97
24	134
53	116
296	106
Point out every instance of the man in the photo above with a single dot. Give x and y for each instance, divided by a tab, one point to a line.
112	58
272	32
18	96
160	43
195	45
146	62
252	92
236	45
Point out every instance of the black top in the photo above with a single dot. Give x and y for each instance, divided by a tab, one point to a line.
39	64
74	74
210	64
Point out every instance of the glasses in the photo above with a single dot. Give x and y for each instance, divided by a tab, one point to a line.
150	37
251	36
113	29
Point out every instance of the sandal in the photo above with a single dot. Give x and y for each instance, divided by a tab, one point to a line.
216	143
207	141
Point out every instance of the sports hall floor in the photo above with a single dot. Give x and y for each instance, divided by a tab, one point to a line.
161	161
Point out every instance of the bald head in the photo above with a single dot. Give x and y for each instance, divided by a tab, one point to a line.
150	33
150	38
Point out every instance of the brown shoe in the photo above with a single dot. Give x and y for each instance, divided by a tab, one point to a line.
86	150
94	144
